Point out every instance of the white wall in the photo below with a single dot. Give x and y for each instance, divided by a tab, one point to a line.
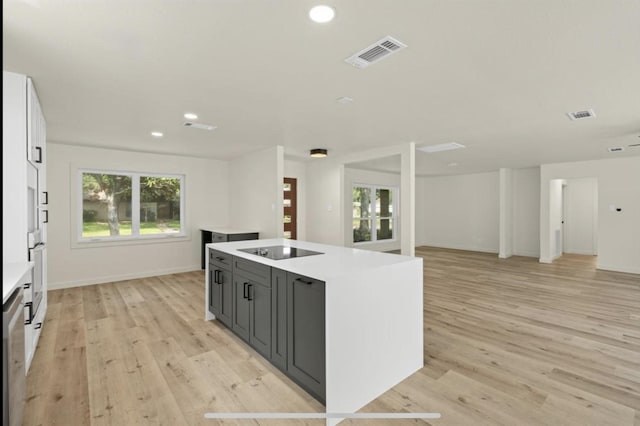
323	202
526	211
581	216
356	176
298	170
255	191
206	202
460	212
618	187
421	208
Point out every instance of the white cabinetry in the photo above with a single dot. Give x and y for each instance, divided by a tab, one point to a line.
24	198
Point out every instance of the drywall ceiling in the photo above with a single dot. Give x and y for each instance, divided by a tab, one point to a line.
495	76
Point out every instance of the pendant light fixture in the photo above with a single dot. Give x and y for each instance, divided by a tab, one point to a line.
318	153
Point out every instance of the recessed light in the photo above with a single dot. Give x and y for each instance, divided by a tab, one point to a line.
345	100
441	147
322	14
452	164
157	134
191	116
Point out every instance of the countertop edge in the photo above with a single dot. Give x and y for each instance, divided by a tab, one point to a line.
12	276
308	266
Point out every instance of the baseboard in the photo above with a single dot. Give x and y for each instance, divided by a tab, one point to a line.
465	248
527	253
114	278
626	269
583	252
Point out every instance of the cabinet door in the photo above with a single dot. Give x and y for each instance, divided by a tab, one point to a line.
36	132
306	332
214	292
260	330
279	318
225	285
241	309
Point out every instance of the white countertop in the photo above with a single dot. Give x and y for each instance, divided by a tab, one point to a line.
12	277
334	262
220	230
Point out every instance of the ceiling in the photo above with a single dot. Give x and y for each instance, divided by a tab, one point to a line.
495	76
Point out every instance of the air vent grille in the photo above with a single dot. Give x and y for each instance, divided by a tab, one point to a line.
581	115
441	147
199	125
378	50
616	149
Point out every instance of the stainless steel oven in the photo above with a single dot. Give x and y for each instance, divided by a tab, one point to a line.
13	359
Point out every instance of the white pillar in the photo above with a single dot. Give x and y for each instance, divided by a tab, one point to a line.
408	200
506	214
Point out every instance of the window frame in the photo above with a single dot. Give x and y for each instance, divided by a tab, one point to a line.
395	191
135	236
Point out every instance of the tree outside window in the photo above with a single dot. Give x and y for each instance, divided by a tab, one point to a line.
109	201
375	213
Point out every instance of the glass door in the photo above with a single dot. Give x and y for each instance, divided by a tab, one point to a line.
290	208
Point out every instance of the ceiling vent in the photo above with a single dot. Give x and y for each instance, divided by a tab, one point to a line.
377	51
199	126
616	149
581	115
441	147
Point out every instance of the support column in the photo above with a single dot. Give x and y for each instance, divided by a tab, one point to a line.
408	200
506	214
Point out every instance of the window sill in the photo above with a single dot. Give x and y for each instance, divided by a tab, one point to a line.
364	243
128	241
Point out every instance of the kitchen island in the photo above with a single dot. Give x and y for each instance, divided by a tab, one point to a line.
346	324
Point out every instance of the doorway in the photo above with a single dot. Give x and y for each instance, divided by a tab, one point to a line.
573	207
290	203
580	216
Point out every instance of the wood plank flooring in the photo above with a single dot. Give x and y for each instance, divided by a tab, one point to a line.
507	342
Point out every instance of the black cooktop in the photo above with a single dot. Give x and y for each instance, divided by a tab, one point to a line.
279	252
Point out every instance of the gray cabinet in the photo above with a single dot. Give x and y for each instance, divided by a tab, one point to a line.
279	318
211	236
252	303
279	313
221	286
306	333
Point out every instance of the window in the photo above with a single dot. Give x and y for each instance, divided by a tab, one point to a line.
373	209
124	205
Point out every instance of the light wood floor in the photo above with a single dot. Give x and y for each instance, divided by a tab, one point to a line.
508	342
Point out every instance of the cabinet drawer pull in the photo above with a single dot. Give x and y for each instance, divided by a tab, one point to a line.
220	259
216	276
29	306
244	291
46	213
37	326
26	285
46	198
39	151
303	281
249	292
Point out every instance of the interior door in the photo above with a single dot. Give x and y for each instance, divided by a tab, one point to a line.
290	195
